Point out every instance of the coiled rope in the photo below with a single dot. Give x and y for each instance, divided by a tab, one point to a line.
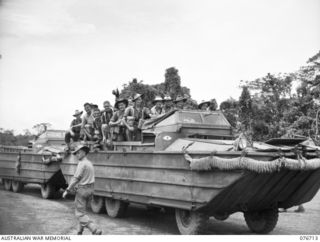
259	166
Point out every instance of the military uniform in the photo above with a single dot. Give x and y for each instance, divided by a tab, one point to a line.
84	179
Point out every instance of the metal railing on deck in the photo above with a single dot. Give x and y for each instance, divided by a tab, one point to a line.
14	149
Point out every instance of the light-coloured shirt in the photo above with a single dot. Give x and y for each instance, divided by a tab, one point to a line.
84	173
155	110
87	119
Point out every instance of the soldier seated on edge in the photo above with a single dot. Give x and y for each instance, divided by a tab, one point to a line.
75	128
87	122
97	125
130	129
140	114
116	123
106	116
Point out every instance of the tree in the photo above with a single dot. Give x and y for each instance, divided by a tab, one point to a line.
172	83
307	102
171	86
245	108
133	87
213	104
7	137
230	109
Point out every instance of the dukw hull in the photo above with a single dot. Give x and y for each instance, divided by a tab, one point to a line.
165	179
17	169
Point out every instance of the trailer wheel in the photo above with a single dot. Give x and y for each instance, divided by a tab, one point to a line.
17	186
7	184
97	204
262	222
115	208
47	190
190	222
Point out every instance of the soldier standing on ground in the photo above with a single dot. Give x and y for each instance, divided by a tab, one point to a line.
84	178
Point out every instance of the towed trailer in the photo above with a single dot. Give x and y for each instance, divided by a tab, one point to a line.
187	161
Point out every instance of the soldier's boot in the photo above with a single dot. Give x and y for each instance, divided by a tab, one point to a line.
300	209
94	229
80	230
282	210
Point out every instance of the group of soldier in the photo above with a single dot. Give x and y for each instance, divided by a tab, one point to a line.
124	121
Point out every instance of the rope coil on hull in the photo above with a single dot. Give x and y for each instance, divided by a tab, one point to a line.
246	163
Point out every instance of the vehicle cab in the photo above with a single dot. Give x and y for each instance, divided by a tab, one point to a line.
177	128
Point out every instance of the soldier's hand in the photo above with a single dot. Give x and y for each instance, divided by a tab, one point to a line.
65	193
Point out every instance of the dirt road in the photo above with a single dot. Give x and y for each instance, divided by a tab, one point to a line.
28	213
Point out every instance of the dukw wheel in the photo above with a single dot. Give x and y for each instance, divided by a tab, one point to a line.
17	186
190	222
97	204
47	190
115	208
221	216
7	184
262	222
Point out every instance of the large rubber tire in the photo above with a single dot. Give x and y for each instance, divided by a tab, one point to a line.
115	208
262	222
97	204
189	222
7	184
17	186
221	217
47	190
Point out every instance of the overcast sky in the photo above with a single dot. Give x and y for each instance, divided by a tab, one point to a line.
57	55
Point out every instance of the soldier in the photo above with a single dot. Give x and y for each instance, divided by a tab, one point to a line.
156	110
97	125
139	112
130	102
87	122
106	116
116	122
75	128
168	104
84	178
130	129
180	102
204	105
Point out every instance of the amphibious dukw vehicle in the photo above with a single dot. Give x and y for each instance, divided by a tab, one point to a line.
22	165
188	161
